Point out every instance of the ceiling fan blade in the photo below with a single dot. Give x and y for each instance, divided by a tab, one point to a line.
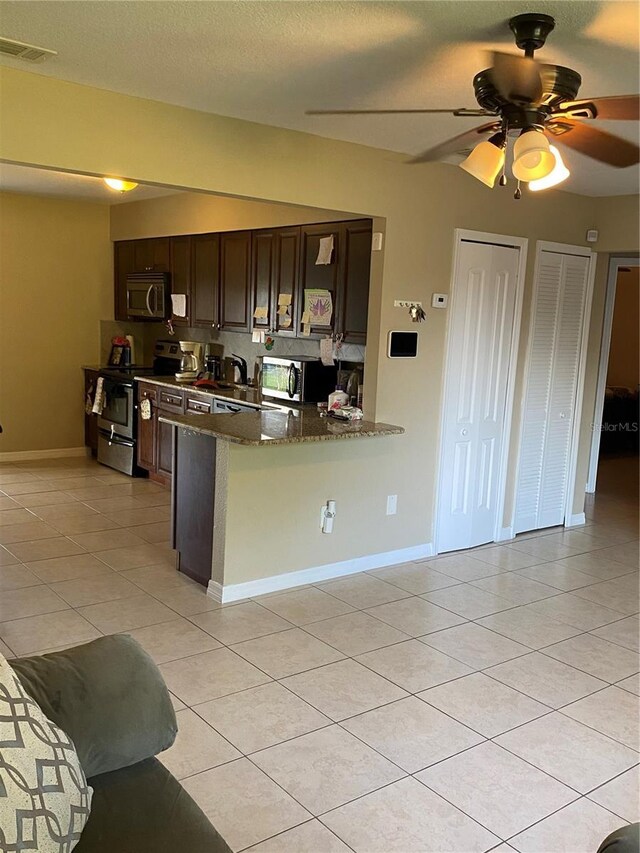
593	142
461	111
617	107
459	144
517	78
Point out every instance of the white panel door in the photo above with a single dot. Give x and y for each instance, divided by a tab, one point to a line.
478	354
551	387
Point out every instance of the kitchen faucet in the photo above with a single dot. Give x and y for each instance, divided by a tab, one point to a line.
241	364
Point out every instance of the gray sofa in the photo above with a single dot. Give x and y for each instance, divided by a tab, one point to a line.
110	698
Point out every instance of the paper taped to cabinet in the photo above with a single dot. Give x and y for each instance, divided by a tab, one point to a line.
325	251
179	304
318	306
284	299
261	312
326	352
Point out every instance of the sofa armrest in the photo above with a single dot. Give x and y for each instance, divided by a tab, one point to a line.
108	696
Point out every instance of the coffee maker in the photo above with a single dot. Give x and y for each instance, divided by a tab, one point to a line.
190	362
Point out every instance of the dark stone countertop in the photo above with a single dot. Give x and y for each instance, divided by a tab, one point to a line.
272	427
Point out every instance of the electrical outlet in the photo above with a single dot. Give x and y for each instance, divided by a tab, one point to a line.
327	514
392	504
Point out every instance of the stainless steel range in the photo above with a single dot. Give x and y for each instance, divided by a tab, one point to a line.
118	422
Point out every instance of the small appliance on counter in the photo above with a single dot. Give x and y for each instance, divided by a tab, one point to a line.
299	379
122	351
191	361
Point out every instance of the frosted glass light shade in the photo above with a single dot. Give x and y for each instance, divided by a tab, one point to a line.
485	161
120	185
559	174
532	157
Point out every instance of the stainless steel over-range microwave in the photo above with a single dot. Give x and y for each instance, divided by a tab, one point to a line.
147	295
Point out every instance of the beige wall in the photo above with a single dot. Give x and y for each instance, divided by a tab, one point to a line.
56	283
618	221
422	206
191	213
624	354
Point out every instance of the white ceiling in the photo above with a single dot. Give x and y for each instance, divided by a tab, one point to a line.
24	179
269	61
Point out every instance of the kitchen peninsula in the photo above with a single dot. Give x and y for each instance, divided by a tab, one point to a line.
230	494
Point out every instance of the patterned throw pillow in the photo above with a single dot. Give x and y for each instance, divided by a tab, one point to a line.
44	796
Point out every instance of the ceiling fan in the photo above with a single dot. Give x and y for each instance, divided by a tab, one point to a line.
536	102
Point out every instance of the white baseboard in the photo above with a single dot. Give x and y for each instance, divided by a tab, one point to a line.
249	589
26	455
505	533
578	519
214	590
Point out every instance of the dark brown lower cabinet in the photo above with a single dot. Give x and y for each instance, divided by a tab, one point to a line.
147	443
164	455
147	429
193	495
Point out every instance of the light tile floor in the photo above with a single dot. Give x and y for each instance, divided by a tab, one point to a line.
451	705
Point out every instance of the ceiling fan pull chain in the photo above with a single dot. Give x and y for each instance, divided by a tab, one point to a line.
518	193
503	177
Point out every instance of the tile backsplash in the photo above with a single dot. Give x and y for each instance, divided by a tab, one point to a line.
223	343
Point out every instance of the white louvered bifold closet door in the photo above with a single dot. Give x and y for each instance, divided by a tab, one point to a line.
551	387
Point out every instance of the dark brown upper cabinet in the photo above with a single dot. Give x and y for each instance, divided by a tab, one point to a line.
226	276
152	254
322	276
287	258
275	254
205	279
181	275
124	262
263	276
353	289
235	279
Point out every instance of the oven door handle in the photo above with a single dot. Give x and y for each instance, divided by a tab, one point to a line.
148	300
122	442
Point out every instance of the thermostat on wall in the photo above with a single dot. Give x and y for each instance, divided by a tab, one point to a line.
439	300
403	345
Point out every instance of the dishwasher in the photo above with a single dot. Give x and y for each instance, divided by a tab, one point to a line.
221	407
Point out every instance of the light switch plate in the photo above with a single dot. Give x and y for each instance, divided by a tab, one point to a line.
376	241
439	300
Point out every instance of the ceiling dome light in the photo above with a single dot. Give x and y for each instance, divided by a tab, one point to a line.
486	160
559	174
532	156
120	185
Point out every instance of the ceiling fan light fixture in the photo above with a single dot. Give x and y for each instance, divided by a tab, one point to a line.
559	174
119	185
486	160
532	156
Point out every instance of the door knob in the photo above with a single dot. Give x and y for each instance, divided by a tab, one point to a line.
464	432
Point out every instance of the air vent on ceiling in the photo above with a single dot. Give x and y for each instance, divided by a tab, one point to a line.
20	50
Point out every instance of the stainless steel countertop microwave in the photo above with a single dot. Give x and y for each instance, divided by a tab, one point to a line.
298	378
